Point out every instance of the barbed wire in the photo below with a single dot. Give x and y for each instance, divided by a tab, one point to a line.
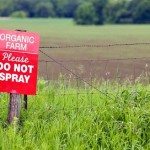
59	62
105	93
86	45
96	60
81	79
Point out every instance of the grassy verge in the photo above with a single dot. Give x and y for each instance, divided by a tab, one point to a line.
65	117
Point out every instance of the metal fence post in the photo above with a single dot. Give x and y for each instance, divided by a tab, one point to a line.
25	102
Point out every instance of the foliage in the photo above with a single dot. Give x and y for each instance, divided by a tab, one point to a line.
99	6
66	8
86	14
44	10
24	5
6	7
19	14
134	11
115	122
102	11
118	12
91	12
141	13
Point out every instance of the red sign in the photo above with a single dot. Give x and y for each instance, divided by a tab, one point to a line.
18	61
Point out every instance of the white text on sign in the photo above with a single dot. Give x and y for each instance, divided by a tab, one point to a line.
10	57
17	68
17	42
14	77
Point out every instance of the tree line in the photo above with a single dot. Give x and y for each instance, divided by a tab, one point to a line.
83	11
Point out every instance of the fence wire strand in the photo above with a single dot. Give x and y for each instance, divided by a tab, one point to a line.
92	90
97	60
102	93
98	46
81	79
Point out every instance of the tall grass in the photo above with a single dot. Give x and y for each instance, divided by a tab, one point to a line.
63	116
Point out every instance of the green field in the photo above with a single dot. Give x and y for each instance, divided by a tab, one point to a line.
56	32
64	31
61	32
67	114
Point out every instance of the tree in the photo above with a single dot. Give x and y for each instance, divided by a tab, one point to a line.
66	8
141	11
19	14
6	7
99	6
83	11
91	12
43	9
86	14
25	5
118	12
125	11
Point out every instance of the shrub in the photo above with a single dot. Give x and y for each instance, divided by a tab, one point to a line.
19	14
44	10
86	14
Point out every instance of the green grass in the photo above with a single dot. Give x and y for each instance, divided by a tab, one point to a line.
118	121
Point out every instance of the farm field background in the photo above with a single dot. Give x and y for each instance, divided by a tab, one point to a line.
63	32
68	114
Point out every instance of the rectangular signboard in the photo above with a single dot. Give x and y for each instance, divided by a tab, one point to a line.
18	61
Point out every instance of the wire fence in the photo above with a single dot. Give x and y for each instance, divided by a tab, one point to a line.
87	83
112	68
83	83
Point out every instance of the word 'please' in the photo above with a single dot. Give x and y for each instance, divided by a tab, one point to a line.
11	58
